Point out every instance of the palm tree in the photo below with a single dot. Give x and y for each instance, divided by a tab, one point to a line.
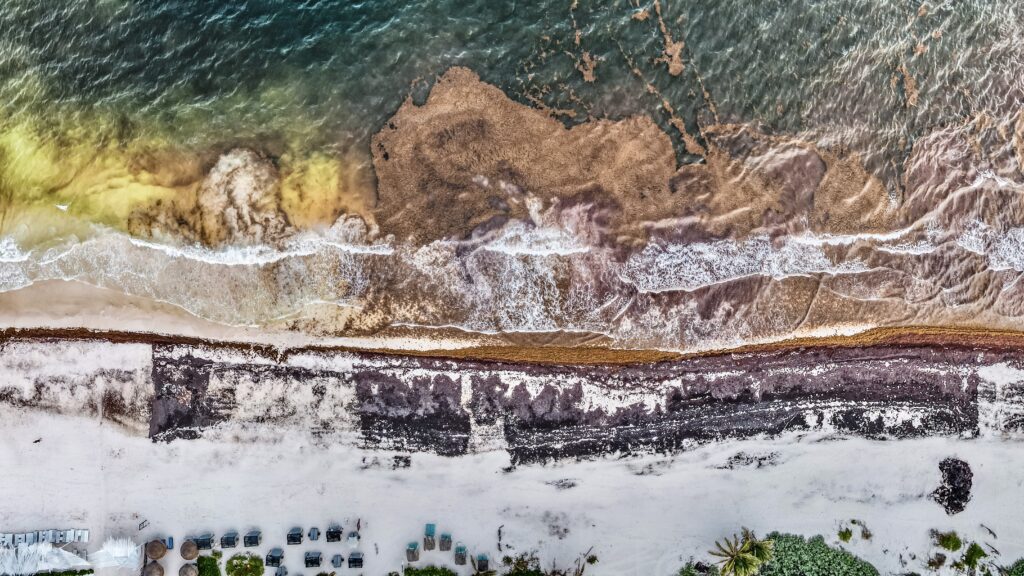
760	549
736	559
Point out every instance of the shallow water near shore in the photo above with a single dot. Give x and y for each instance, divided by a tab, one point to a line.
320	77
854	148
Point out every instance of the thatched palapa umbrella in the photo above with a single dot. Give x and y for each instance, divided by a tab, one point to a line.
153	569
188	570
189	550
156	549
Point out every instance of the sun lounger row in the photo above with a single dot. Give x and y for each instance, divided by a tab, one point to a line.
334	534
313	559
430	541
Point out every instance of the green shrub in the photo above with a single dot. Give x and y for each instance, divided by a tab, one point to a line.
429	571
864	532
845	534
973	555
524	572
1017	569
208	566
795	556
948	541
244	565
692	569
527	564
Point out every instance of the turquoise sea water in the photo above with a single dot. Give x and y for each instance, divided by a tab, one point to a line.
330	72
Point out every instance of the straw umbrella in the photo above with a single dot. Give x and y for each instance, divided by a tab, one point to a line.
189	550
188	570
153	569
156	549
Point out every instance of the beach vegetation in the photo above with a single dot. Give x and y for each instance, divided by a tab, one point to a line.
742	557
244	565
208	566
429	571
971	559
1017	569
528	564
796	556
864	532
937	561
947	540
698	569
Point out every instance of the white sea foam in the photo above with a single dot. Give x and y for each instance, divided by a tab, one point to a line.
689	267
519	239
975	237
1007	251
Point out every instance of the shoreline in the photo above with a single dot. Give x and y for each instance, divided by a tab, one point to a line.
902	336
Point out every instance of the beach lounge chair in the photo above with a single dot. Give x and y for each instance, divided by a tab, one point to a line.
313	559
429	540
412	552
334	533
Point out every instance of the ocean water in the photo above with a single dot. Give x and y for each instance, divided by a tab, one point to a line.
327	74
112	105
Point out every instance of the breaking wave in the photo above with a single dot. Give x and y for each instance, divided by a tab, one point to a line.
660	268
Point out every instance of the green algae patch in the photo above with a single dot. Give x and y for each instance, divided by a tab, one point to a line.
87	179
316	189
54	178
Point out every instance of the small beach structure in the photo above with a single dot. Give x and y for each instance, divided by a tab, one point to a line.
314	534
189	569
412	552
482	563
189	550
446	542
156	549
204	541
460	554
355	560
153	568
337	561
429	537
313	559
294	536
253	539
229	540
334	533
118	554
274	557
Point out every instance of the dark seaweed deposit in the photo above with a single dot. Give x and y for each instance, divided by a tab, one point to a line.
541	412
537	412
955	491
